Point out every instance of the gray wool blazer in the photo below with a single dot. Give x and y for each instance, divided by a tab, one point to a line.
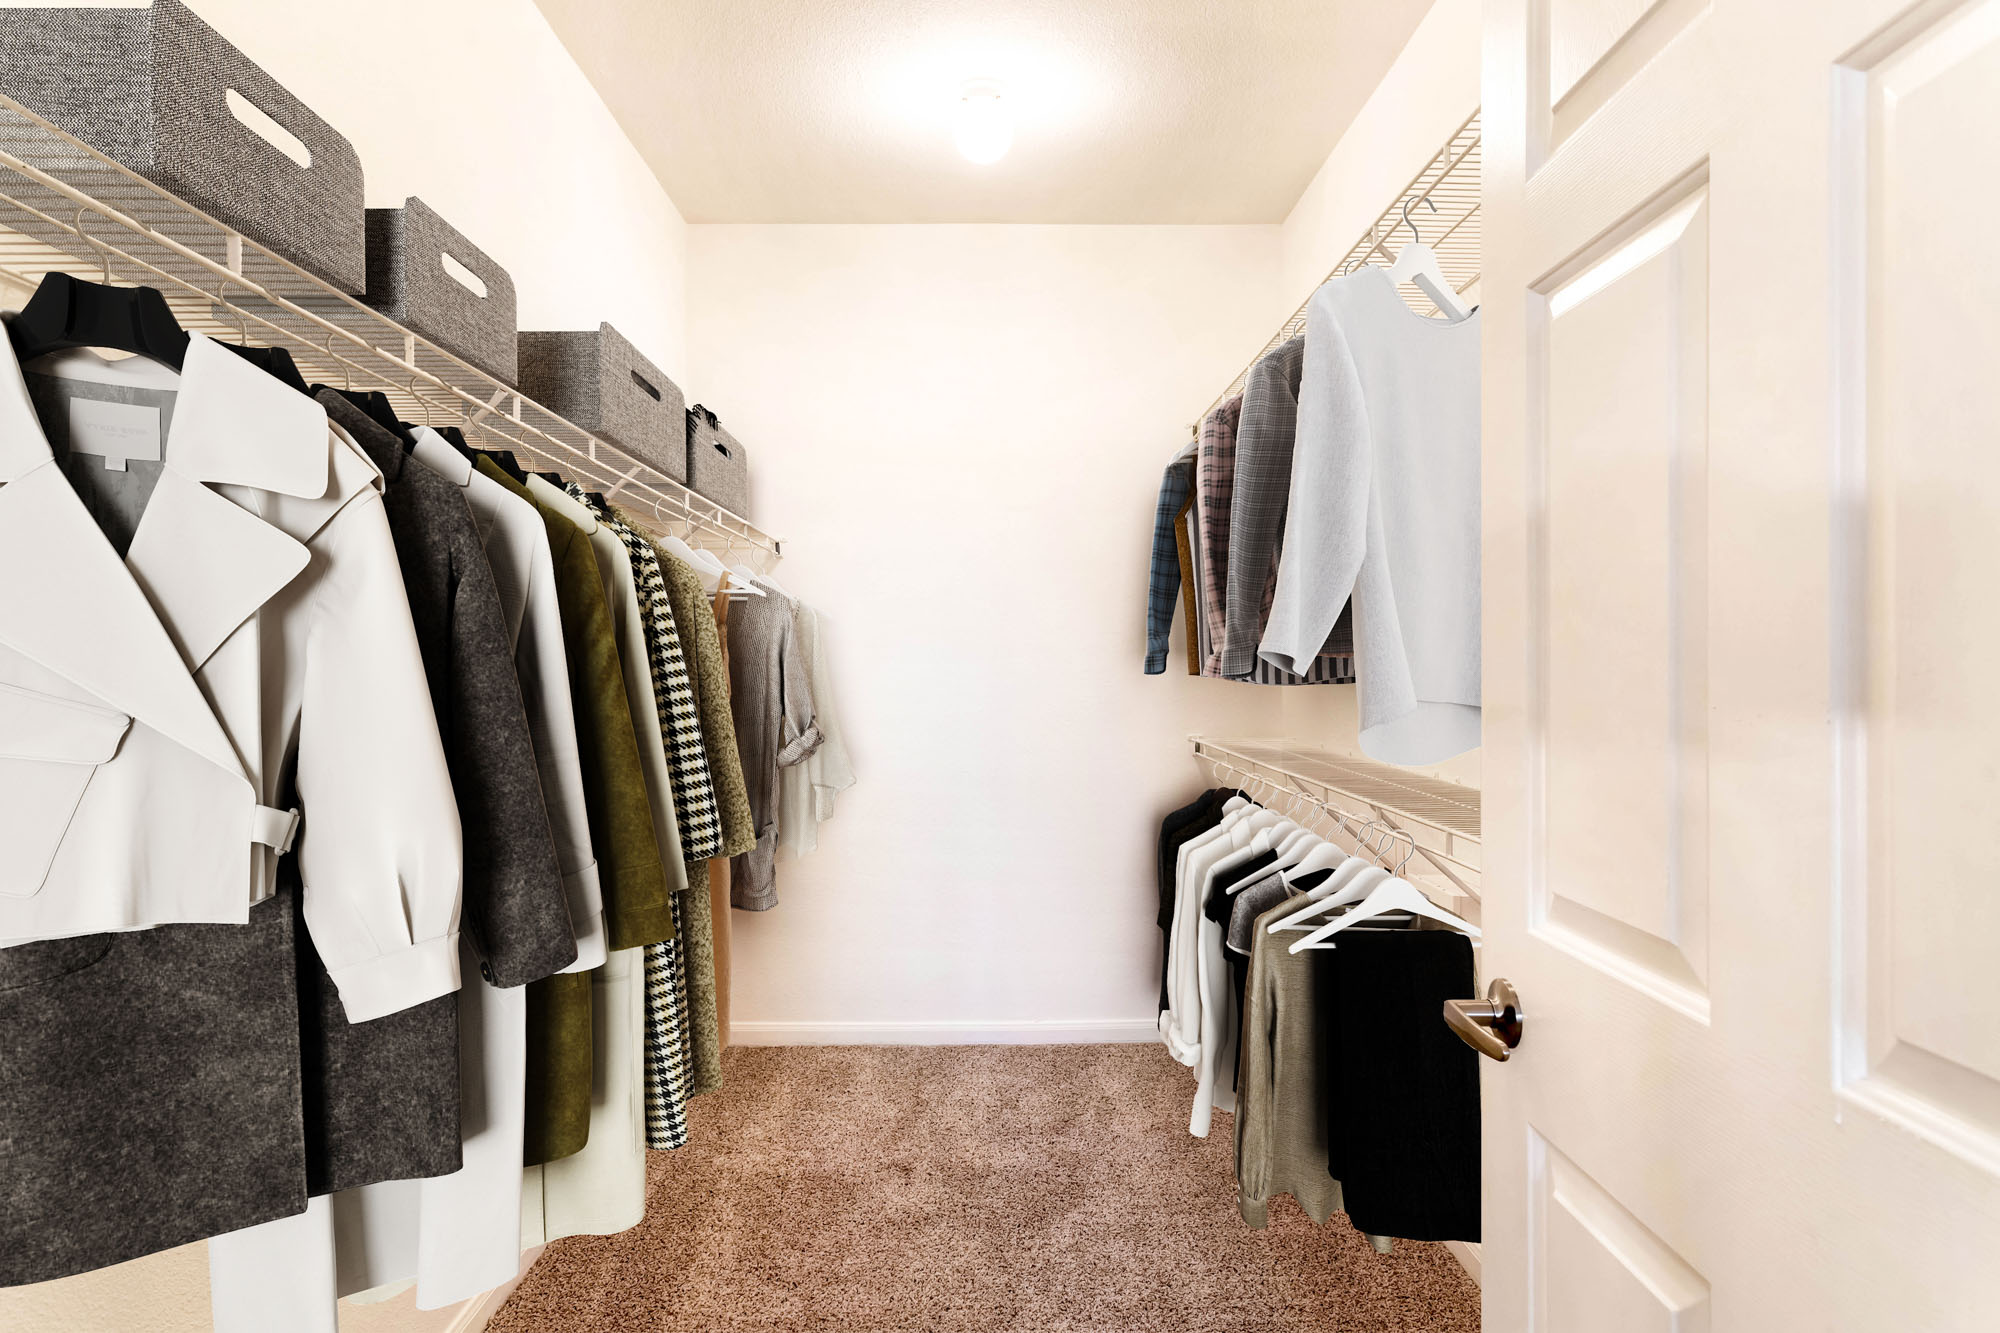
514	908
382	1096
149	1091
1264	435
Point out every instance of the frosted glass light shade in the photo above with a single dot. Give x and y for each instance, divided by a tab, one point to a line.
982	128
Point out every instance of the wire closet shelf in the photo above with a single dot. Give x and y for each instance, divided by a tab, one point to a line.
1449	183
65	207
1441	817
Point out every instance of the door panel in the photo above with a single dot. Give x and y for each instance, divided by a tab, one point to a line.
1742	528
1917	107
1600	1269
1594	47
1624	341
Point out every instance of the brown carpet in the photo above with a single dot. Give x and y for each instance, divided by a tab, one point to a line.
953	1189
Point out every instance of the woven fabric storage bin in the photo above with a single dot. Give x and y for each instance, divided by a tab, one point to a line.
149	88
717	466
599	381
408	282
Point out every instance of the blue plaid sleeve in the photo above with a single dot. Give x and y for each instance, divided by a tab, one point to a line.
1165	586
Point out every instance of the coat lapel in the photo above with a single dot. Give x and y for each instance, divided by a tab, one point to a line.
134	631
69	603
207	564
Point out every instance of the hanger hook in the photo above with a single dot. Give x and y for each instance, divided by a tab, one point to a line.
1416	238
103	254
346	379
242	321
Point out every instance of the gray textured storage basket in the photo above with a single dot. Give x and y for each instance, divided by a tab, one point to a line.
717	466
599	381
408	282
148	89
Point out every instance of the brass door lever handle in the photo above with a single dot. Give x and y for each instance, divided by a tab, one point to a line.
1491	1026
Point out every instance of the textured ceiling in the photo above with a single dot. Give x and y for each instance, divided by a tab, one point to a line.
1125	110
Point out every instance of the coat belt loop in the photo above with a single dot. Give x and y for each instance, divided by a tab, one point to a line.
275	828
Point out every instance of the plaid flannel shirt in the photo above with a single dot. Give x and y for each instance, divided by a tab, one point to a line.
1165	585
1214	484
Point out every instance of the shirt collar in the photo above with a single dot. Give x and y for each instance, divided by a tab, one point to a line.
381	445
436	453
560	500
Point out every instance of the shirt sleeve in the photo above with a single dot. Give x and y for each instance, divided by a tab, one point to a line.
544	677
1253	1098
1257	503
515	910
379	848
800	735
1326	514
1164	579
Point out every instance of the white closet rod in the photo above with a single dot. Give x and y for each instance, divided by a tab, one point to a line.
1399	803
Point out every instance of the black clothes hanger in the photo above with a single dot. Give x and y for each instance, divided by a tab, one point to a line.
68	312
455	437
373	402
506	461
275	362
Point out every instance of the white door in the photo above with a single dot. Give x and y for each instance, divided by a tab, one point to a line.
1742	618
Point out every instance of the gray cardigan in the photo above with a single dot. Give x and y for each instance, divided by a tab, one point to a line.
771	699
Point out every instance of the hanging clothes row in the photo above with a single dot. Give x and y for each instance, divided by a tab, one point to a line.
1324	525
368	802
1348	1089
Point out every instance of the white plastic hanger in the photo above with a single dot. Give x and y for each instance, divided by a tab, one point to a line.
1391	895
1418	263
1331	856
1296	846
1286	845
1354	890
1359	868
680	549
1307	917
704	562
751	581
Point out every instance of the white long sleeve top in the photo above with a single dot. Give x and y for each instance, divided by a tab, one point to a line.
1384	509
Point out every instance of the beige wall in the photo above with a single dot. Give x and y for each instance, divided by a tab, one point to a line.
959	432
475	107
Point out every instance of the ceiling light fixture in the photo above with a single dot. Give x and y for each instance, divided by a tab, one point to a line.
982	127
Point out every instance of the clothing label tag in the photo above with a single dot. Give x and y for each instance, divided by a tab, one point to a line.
116	432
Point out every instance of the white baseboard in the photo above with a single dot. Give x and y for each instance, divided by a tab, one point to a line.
1031	1032
1467	1254
473	1316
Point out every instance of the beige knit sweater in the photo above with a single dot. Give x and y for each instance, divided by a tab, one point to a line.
1280	1106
